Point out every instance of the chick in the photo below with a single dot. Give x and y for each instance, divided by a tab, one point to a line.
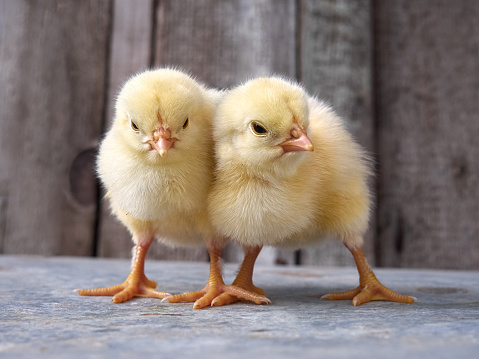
272	189
156	164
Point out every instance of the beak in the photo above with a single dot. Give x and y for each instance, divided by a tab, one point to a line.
162	141
299	141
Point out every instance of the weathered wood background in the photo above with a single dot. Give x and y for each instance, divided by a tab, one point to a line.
403	74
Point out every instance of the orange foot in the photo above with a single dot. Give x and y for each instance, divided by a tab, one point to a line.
131	287
370	290
136	285
216	293
369	286
244	279
229	298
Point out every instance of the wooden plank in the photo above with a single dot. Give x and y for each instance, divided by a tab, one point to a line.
130	53
51	104
427	126
335	51
224	43
130	46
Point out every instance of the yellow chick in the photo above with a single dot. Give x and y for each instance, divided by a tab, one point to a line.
289	174
156	164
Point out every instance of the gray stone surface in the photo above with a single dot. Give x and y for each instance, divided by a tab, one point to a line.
42	317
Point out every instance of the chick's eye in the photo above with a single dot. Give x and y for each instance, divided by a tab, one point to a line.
258	129
134	126
187	122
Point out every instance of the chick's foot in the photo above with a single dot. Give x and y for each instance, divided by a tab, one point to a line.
226	298
136	285
369	286
130	288
370	289
244	279
216	293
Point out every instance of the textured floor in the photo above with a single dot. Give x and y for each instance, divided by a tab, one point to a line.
41	316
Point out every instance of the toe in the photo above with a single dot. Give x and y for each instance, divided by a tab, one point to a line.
246	295
348	295
363	296
186	297
224	299
205	300
153	293
150	283
259	291
385	293
124	295
106	291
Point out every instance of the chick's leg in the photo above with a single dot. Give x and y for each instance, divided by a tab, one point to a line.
369	286
216	286
135	285
244	278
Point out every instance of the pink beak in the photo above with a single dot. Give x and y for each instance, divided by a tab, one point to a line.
299	141
162	141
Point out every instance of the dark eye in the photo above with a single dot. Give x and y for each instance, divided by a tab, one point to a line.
134	126
258	129
187	122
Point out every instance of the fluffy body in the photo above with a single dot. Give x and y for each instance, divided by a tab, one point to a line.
156	163
265	196
272	189
149	193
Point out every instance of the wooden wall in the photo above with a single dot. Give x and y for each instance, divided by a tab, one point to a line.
404	78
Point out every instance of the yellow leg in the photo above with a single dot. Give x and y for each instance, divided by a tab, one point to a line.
216	286
135	285
369	286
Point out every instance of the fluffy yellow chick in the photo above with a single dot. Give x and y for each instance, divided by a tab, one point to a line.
289	174
156	164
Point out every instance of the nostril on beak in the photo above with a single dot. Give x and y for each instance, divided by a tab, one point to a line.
296	133
161	133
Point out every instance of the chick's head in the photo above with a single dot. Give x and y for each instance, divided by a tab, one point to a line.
160	113
264	121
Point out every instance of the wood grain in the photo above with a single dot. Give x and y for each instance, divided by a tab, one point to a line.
404	78
51	104
224	43
227	42
335	64
428	108
130	53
